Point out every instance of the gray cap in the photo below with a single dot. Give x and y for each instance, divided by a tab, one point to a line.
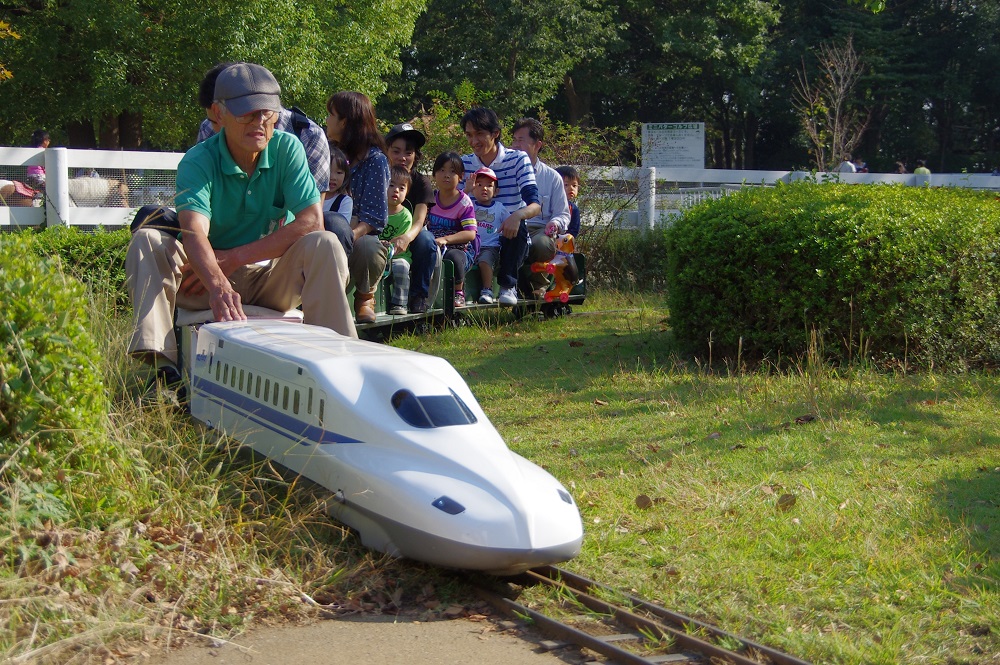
246	87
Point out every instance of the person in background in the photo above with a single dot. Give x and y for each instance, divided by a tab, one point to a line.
35	175
227	187
490	214
553	218
847	166
516	189
900	168
452	219
351	126
921	168
571	185
400	220
405	142
337	201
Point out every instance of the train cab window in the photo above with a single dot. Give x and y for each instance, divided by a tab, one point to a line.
428	411
284	399
295	403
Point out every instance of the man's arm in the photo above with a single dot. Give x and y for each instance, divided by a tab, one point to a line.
558	208
209	269
511	225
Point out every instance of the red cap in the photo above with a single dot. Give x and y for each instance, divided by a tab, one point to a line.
486	171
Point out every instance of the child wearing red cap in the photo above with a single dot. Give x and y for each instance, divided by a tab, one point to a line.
490	214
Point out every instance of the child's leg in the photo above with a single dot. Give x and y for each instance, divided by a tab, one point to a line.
400	282
486	273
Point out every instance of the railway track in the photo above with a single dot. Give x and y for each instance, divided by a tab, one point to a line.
626	629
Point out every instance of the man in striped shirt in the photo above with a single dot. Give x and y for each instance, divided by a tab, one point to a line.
516	189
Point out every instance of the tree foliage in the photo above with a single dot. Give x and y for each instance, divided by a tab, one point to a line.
515	54
127	64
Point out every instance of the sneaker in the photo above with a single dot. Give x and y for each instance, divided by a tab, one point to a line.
418	305
397	310
460	298
486	297
508	296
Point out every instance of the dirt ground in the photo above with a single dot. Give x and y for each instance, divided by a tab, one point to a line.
374	641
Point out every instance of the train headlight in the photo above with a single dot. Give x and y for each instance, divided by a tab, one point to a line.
448	505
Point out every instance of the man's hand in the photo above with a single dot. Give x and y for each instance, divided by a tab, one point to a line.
552	229
511	226
226	305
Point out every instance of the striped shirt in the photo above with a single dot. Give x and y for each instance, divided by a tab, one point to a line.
514	173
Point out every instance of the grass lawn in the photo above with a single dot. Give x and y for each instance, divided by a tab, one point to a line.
843	515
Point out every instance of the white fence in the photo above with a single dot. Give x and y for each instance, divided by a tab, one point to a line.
104	188
657	195
88	187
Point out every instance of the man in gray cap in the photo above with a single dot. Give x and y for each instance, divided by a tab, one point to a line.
244	196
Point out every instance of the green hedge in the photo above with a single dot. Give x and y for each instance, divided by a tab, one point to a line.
97	259
894	270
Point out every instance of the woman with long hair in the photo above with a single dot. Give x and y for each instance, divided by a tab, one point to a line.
351	127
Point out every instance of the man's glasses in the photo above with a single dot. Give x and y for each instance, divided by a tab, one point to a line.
247	118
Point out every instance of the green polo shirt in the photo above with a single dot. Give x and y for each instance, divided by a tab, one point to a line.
243	209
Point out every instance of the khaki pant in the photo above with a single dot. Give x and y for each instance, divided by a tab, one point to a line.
312	272
367	263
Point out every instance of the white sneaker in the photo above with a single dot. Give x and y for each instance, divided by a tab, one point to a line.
508	296
486	297
397	310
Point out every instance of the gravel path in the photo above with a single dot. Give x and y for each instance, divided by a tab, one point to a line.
371	641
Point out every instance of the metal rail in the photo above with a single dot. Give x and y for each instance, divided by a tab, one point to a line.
690	640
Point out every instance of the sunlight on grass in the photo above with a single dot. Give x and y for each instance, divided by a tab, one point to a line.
843	514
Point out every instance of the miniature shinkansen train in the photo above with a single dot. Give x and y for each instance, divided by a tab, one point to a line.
412	461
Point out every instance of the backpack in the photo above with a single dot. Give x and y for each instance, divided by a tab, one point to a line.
300	121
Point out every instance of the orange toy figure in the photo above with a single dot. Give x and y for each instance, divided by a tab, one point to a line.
562	267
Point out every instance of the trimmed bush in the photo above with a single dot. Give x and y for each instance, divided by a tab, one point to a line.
53	403
897	271
96	259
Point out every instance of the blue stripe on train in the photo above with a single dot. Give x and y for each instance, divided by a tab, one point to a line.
263	414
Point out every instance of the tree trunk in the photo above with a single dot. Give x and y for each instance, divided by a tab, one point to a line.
131	129
578	104
752	124
81	134
110	133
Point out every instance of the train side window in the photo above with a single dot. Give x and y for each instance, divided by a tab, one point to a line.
241	379
232	379
257	393
284	399
309	401
322	408
295	403
275	393
225	375
218	371
267	388
428	411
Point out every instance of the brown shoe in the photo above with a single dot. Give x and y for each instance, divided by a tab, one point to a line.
364	307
